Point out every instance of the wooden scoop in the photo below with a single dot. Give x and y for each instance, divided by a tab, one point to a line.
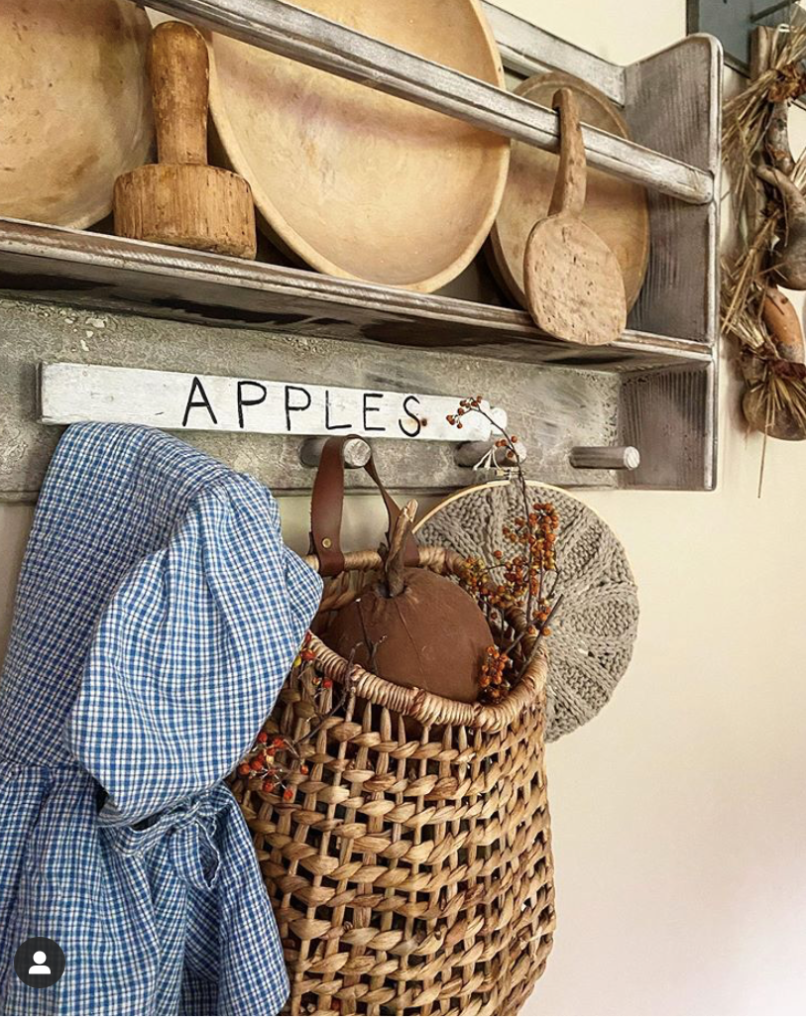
181	200
572	279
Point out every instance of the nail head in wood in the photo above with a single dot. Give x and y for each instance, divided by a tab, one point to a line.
605	458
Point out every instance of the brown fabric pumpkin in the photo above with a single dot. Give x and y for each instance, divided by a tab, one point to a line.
431	635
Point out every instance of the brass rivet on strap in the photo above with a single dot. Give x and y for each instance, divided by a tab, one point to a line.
327	543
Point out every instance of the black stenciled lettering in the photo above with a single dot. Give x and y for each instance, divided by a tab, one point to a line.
372	408
328	424
289	408
243	401
202	403
412	415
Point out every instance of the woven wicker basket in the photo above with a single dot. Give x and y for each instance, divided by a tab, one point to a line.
411	873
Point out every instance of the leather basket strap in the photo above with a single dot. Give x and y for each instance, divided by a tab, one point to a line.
327	504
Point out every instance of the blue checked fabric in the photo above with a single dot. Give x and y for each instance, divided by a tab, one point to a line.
157	614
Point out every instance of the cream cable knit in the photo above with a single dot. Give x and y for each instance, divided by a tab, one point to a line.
595	627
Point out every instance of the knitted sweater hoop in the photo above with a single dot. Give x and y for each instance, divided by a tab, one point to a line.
594	630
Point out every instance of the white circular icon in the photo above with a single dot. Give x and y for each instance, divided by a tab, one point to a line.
39	962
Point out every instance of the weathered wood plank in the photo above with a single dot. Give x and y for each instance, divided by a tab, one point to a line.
528	50
674	99
301	35
550	409
96	270
669	415
77	393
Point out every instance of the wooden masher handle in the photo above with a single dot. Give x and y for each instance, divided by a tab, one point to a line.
180	76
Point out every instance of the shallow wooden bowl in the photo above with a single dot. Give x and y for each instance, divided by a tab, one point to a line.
616	210
75	106
357	183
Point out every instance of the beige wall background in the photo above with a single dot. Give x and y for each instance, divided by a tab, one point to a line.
680	812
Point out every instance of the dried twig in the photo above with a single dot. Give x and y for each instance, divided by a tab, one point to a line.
755	146
534	530
395	566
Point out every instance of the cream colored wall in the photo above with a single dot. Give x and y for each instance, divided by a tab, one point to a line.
680	813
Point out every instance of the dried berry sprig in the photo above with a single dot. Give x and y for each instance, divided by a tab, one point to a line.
497	670
524	574
512	455
263	762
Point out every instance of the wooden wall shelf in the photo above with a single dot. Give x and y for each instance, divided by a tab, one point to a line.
159	280
660	391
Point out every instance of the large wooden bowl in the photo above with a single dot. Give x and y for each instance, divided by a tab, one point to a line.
357	183
615	209
75	106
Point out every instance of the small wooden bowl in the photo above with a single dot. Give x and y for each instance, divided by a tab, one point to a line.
76	110
357	183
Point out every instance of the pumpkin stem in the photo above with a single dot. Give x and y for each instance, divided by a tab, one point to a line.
394	566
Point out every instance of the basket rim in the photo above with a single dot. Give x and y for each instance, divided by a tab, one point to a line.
429	708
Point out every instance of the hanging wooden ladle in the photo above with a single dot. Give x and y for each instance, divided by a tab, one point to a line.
572	279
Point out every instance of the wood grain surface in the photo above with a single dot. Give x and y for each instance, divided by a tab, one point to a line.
615	209
355	182
554	408
182	201
574	288
75	108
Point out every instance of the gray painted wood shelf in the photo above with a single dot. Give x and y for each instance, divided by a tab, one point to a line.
117	273
659	379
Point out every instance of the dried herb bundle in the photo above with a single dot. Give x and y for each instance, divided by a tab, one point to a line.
755	147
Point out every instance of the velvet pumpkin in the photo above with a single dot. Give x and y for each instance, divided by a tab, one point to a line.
431	634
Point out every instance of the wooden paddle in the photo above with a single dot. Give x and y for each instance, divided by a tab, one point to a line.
572	279
182	200
616	209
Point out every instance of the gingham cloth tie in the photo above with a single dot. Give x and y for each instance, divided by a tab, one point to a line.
193	832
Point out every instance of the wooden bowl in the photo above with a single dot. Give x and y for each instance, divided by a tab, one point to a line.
355	182
616	210
75	106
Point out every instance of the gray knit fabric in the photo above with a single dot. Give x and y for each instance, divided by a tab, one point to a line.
595	627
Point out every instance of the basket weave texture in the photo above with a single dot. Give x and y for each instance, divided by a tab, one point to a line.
411	873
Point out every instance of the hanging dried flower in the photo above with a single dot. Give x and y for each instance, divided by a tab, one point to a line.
525	580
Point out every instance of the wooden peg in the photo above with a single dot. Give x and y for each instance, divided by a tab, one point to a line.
357	452
605	458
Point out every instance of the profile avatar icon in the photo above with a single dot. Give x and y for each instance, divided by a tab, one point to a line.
39	962
39	965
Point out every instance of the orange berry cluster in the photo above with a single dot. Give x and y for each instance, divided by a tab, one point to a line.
465	406
475	577
493	682
261	761
533	535
536	535
522	573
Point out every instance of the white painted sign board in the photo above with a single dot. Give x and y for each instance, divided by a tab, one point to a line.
77	393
